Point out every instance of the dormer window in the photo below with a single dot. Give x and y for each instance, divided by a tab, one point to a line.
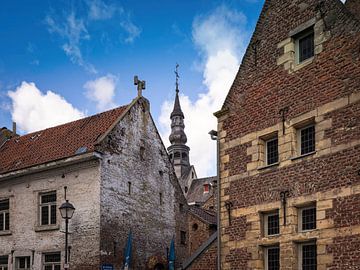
206	188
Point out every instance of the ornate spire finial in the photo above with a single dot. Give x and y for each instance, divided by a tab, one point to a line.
177	77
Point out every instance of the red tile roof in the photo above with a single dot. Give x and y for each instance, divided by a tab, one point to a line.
57	142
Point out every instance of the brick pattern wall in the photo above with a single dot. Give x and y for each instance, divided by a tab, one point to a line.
346	253
325	92
199	232
207	260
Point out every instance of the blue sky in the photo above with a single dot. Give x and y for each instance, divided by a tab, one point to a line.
86	53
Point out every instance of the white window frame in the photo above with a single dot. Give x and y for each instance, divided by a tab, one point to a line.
305	33
300	253
49	208
266	151
300	211
265	221
27	263
53	264
266	256
5	266
3	216
298	135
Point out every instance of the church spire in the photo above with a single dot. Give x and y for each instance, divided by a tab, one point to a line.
178	151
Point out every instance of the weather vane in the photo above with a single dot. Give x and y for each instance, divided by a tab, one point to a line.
177	77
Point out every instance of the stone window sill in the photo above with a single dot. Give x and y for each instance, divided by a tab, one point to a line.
268	166
303	63
47	228
4	233
305	155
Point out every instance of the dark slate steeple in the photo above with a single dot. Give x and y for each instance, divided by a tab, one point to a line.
178	151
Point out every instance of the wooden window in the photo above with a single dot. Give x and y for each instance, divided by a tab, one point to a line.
272	153
307	256
22	263
307	139
271	223
48	208
272	258
4	215
3	262
52	261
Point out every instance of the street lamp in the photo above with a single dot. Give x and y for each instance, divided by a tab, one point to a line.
214	136
66	211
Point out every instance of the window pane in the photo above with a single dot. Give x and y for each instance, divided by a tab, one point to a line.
44	215
307	140
53	257
4	205
273	258
53	214
306	47
57	267
2	227
273	224
7	221
4	260
272	151
309	218
48	267
309	257
47	198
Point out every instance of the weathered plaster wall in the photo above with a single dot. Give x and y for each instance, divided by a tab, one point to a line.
133	153
83	182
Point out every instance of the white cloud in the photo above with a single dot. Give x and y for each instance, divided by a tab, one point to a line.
221	38
73	31
131	29
99	10
102	91
33	110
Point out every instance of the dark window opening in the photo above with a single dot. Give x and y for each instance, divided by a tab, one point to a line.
129	188
161	173
186	189
308	218
52	261
307	138
272	153
195	227
306	46
4	215
273	258
142	152
272	222
309	257
183	237
3	262
177	155
184	155
22	263
161	198
181	207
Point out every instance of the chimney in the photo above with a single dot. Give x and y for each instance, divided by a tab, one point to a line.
354	7
14	129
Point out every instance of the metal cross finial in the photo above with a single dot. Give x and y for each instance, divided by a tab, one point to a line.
177	77
140	85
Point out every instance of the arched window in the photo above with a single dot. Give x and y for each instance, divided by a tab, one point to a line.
184	155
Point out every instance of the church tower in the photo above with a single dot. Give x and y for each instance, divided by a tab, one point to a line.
178	151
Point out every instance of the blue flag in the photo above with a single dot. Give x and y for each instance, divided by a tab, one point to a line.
127	260
172	255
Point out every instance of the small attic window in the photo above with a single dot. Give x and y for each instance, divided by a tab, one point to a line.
206	188
304	44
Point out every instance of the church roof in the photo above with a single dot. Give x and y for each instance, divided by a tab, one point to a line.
55	143
196	191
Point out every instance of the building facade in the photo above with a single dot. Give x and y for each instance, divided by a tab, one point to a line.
118	177
289	134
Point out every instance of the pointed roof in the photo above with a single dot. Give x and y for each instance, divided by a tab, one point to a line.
177	108
55	143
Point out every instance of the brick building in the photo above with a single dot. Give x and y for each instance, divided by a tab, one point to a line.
289	134
118	177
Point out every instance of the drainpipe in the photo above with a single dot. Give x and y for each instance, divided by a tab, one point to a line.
214	136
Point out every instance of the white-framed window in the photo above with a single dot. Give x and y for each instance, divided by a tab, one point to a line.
22	263
4	215
52	261
306	139
3	262
272	258
271	151
304	45
307	218
307	257
271	223
47	208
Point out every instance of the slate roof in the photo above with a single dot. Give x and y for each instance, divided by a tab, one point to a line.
56	143
205	215
196	190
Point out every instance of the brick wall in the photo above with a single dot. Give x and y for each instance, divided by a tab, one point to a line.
199	232
325	91
207	260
